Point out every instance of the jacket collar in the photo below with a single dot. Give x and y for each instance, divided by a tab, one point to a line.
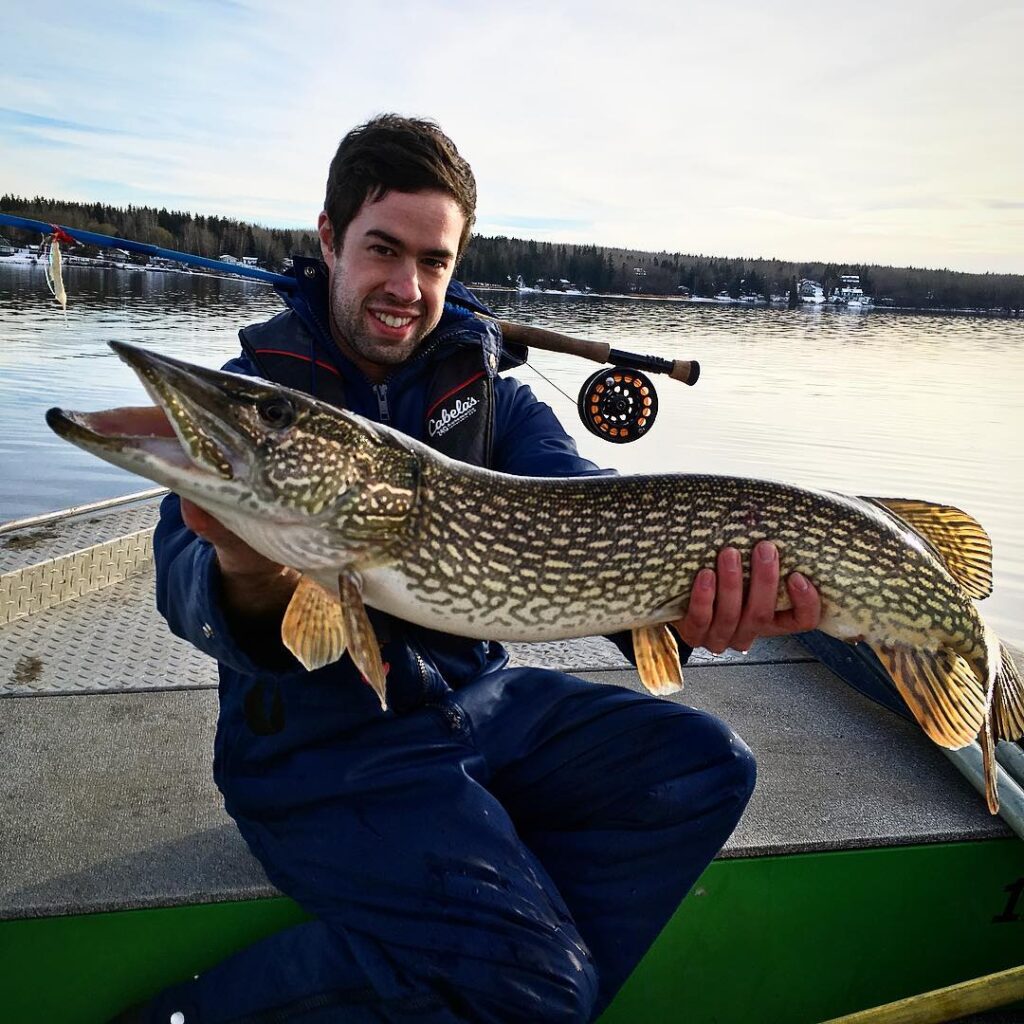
459	326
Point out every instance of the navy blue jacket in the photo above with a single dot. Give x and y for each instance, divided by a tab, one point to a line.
421	664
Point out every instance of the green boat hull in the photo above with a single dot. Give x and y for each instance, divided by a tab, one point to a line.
790	939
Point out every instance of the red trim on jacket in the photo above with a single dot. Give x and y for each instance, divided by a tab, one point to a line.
455	390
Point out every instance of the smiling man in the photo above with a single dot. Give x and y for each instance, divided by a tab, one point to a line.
500	844
389	275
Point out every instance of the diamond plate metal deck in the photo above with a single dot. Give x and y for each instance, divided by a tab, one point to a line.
35	588
113	640
37	544
83	619
110	804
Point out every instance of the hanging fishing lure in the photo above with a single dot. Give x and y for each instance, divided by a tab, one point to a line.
49	251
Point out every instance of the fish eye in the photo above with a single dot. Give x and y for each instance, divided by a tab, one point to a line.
276	412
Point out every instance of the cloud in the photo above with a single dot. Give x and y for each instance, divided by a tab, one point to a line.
697	127
26	120
542	224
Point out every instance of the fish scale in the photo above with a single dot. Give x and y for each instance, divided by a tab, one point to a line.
594	551
368	515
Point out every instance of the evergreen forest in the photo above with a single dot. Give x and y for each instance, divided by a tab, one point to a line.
501	261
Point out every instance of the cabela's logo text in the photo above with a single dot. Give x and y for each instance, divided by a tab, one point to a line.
452	416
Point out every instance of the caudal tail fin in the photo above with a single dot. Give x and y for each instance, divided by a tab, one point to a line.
1008	699
1005	720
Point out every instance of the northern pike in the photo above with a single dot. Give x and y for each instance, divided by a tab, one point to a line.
369	516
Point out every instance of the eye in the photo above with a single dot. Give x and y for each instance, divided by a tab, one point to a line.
277	413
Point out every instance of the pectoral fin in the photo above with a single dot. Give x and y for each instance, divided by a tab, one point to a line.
362	641
313	628
657	659
940	688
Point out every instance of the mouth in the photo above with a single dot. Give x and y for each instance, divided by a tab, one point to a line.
393	323
179	435
139	428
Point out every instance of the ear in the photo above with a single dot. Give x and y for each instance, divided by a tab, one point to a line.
326	233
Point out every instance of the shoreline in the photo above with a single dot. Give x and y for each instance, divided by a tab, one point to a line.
700	300
24	258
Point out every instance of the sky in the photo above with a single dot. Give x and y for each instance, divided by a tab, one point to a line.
883	131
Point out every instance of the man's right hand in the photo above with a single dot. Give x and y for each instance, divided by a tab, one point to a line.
254	586
234	556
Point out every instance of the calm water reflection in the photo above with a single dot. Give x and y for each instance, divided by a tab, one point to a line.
877	403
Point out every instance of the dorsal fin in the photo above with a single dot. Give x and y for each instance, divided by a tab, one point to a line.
959	540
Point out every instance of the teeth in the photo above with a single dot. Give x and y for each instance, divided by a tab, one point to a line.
393	321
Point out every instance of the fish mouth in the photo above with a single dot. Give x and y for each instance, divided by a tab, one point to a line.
144	430
184	438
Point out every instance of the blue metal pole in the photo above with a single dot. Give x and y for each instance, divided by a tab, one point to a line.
143	248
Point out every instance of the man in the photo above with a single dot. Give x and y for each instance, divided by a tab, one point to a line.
502	844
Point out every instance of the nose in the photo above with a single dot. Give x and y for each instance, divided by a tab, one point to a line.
403	281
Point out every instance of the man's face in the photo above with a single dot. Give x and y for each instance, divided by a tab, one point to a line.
389	280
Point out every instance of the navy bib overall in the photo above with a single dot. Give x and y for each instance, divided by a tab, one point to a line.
505	844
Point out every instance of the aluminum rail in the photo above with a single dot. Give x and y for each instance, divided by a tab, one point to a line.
74	510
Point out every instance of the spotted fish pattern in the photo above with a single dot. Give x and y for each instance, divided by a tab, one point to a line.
369	515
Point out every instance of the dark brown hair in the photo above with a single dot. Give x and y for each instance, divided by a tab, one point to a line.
397	153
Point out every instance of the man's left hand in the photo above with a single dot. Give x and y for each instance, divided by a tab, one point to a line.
719	617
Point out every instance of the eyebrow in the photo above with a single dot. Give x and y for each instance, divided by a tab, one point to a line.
397	243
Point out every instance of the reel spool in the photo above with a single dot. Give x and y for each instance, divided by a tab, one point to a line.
618	404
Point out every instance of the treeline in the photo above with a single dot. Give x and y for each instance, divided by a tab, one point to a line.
500	260
212	237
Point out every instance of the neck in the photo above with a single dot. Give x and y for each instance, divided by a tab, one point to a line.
376	373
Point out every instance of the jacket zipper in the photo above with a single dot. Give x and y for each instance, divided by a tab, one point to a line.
422	665
380	392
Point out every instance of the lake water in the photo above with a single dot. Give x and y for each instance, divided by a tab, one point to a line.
879	403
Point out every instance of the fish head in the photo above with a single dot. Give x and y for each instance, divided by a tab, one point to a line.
244	448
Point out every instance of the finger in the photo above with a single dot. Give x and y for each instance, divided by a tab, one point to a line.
234	555
806	611
198	520
758	616
728	601
694	625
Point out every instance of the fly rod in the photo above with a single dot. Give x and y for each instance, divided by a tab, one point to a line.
685	370
618	403
145	249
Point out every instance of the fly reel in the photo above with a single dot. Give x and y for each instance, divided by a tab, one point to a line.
618	404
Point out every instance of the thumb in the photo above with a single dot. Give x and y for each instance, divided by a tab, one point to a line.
199	521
